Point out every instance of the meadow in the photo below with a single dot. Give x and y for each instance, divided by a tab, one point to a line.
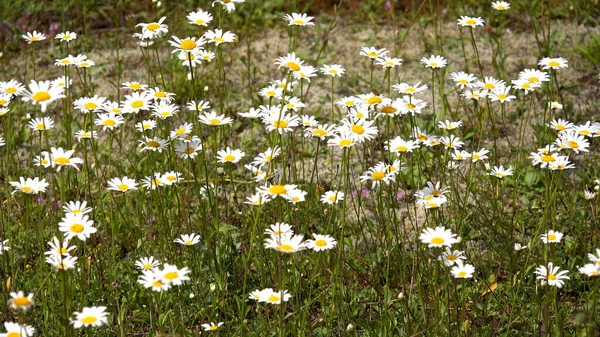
299	168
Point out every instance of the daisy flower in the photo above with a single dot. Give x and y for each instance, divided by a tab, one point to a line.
553	63
534	76
188	239
122	184
147	263
229	155
377	174
212	326
188	150
388	62
372	52
305	72
281	122
174	275
479	155
475	94
12	88
279	229
90	316
490	83
171	177
332	197
430	202
41	124
399	145
272	91
212	119
407	89
462	271
90	104
33	37
66	36
18	301
525	85
435	61
200	18
289	61
136	102
153	144
502	95
217	36
551	237
17	330
572	140
144	125
134	86
295	196
288	243
500	5
438	237
59	249
275	297
297	19
277	190
463	79
109	121
321	242
42	93
412	105
452	142
153	279
153	30
555	105
333	70
258	199
551	275
77	207
186	45
152	182
60	158
62	262
229	5
595	258
451	257
77	225
3	246
29	186
589	270
501	172
467	21
449	125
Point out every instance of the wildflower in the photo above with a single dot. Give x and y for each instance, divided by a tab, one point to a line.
551	275
289	61
77	207
272	91
153	144
435	61
188	150
399	145
154	29
229	155
109	121
463	79
472	22
377	174
462	271
134	86
12	88
152	182
305	72
450	257
89	104
479	155
459	155
475	94
182	131
534	76
551	237
321	242
430	202
561	163
595	258
60	158
66	36
17	330
200	18
136	102
170	178
279	229
282	122
297	19
388	62
188	240
62	262
553	63
153	279
164	110
229	5
90	316
29	186
160	95
502	95
362	129
33	37
174	275
501	172
186	45
525	85
78	225
452	142
572	140
589	270
333	70
258	199
332	197
588	195
275	297
42	93
41	124
412	105
82	134
260	295
555	105
147	263
217	36
59	249
267	156
277	190
372	52
18	301
288	243
122	184
588	129
295	196
448	125
489	83
438	237
212	119
500	5
407	89
212	326
561	125
309	121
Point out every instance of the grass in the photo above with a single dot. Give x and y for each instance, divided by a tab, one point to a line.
380	276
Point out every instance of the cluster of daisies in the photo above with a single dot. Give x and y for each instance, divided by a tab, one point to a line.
443	237
159	279
281	238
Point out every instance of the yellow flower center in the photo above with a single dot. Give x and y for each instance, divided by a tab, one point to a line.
219	40
463	81
84	64
123	187
410	106
75	211
551	237
332	198
153	143
526	86
199	22
41	96
433	64
451	257
438	241
189	243
374	100
153	26
321	243
26	189
471	22
551	277
229	158
171	275
21	301
14	334
11	90
422	137
65	61
462	274
293	66
157	284
61	161
358	129
561	127
409	90
548	158
280	124
137	104
298	22
501	7
553	64
573	145
378	175
62	251
277	189
319	132
90	105
388	110
188	44
401	148
135	86
190	150
372	54
584	132
160	94
66	37
89	320
40	127
147	266
76	228
286	248
109	122
273	298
